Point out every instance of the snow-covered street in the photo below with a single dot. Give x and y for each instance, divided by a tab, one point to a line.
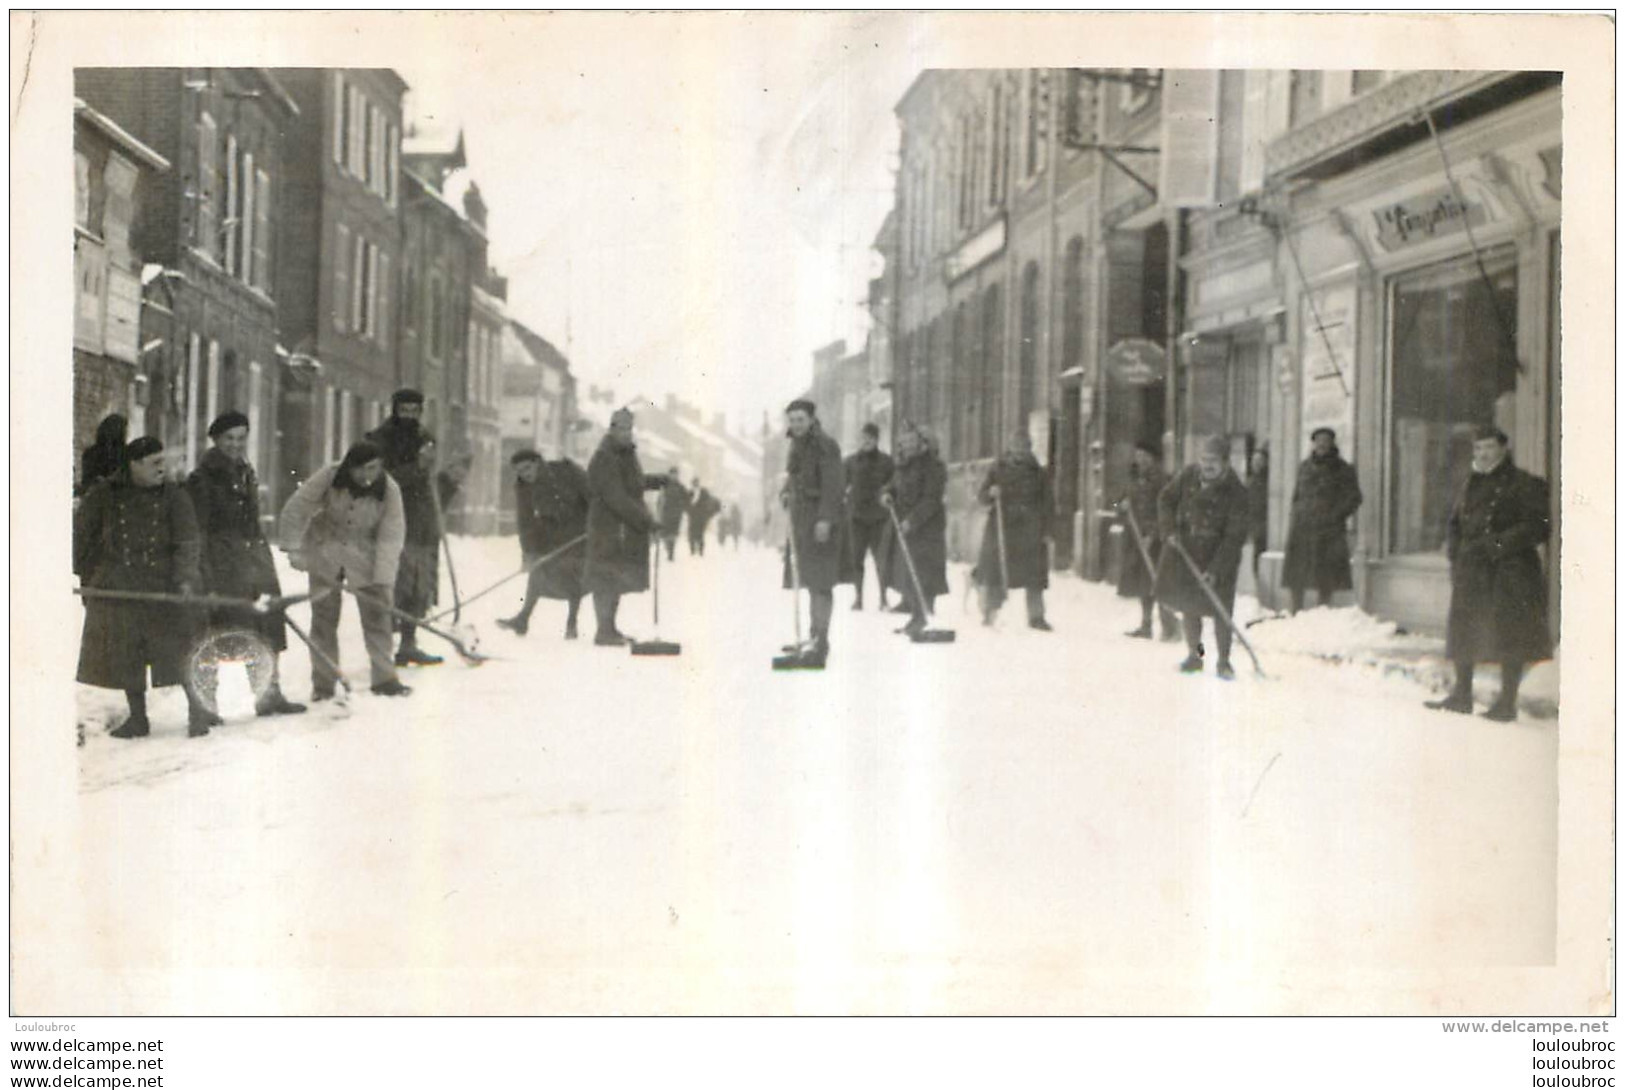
1016	822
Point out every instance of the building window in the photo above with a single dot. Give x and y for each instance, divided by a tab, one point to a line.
1453	367
1135	91
81	189
207	239
1027	389
1072	305
1035	134
260	259
341	280
992	371
341	119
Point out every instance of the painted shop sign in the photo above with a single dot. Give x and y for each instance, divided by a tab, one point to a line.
1136	361
979	249
1423	218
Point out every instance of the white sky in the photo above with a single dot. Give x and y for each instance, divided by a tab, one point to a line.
697	195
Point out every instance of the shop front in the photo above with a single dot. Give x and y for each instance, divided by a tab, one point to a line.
1422	298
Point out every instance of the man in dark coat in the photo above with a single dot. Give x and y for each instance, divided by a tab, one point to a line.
236	558
1497	585
551	500
1203	511
136	532
1017	488
814	495
673	505
915	495
402	439
417	584
1317	546
867	473
1146	481
105	457
1258	503
619	526
700	513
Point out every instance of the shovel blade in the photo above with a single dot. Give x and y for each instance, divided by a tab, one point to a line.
934	635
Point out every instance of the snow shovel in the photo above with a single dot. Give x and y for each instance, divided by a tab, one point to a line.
451	569
506	579
797	656
341	693
1218	606
924	635
656	646
1139	543
460	643
265	604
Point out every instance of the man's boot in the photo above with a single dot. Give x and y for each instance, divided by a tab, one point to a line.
1505	708
1460	699
136	726
1193	644
274	703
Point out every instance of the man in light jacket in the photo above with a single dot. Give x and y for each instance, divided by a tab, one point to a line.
346	525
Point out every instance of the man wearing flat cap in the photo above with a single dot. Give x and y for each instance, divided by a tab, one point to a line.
1203	518
814	494
1497	584
867	473
1317	545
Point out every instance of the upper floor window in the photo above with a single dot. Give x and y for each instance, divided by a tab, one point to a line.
998	141
81	190
1135	91
1035	133
205	189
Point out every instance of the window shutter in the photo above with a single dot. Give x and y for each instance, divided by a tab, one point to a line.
250	224
207	237
232	199
370	302
1190	116
262	231
384	289
358	283
341	280
340	105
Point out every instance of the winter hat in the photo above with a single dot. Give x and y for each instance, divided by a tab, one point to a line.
144	447
1490	431
872	429
360	453
406	396
1328	432
620	416
803	405
1216	445
520	457
226	421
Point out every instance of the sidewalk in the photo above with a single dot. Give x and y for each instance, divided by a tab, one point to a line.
1348	636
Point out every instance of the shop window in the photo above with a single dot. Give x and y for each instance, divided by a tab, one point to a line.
1453	368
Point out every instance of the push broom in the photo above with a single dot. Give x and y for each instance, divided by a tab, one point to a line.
924	635
795	656
656	646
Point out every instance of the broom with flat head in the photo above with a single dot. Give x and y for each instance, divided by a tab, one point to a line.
656	646
923	635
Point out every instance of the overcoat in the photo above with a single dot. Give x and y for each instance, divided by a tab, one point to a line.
1317	544
917	489
1144	489
674	501
619	524
141	539
815	491
236	558
1497	586
1024	496
701	512
336	531
1210	519
417	585
867	474
553	511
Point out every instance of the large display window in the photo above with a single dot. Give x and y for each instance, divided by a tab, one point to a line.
1453	367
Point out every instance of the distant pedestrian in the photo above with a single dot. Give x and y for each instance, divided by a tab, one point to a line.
1497	585
700	513
236	557
1136	580
1258	503
1203	511
1017	487
814	495
674	500
1317	546
136	531
868	471
916	493
346	527
551	500
105	457
619	526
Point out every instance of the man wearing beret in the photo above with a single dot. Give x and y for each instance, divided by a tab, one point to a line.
814	494
1202	514
620	526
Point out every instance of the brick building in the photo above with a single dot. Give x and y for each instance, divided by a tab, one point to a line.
338	280
114	173
210	231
